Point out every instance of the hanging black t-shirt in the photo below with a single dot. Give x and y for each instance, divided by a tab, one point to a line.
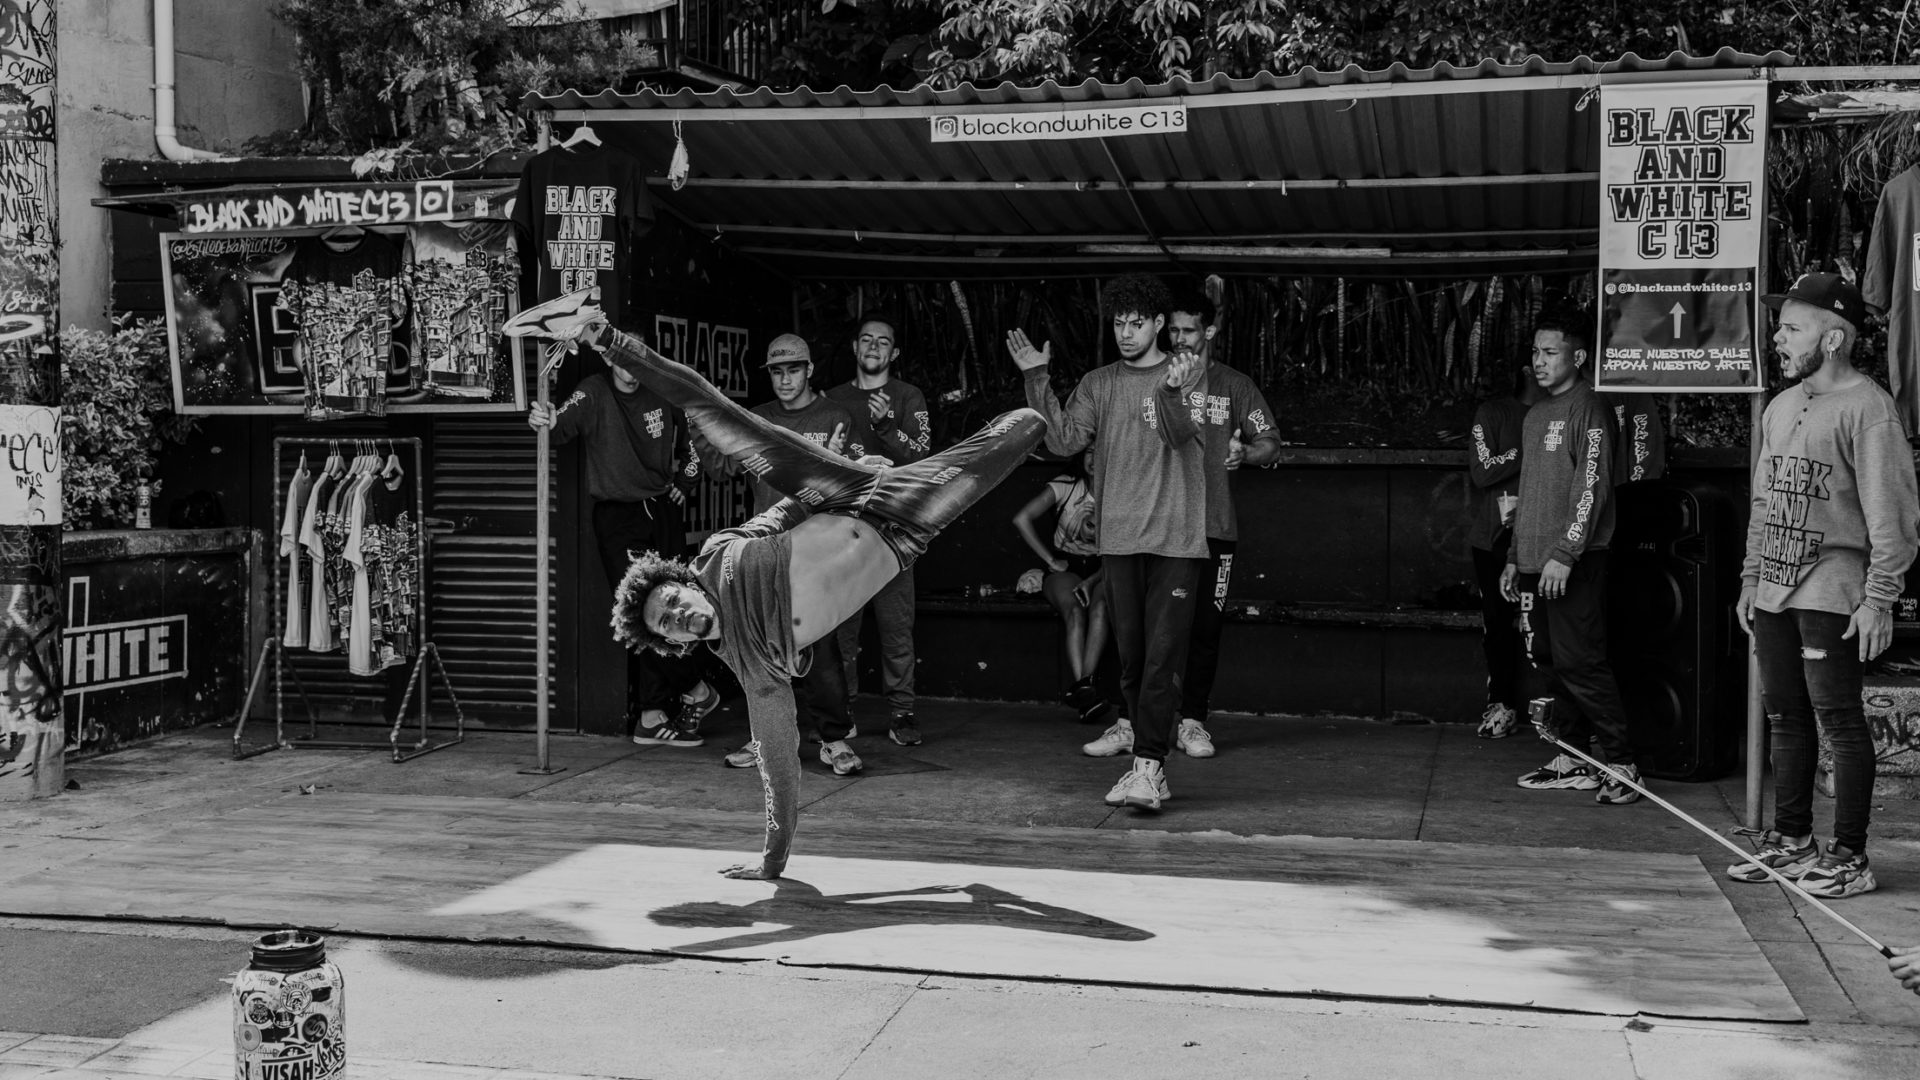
345	300
580	215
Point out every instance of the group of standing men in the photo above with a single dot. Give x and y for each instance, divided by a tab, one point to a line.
1163	429
1834	526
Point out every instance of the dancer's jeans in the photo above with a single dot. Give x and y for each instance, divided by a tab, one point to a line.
1810	680
1209	621
1151	600
1567	639
1499	638
906	504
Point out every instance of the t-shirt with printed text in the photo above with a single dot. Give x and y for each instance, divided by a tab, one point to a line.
1226	401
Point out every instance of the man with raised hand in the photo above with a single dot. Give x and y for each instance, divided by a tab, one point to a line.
889	420
1150	489
1832	532
1557	564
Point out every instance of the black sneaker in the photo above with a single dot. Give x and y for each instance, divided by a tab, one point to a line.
904	731
692	712
667	734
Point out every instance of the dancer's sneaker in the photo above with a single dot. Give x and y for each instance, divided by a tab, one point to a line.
1563	773
692	712
664	732
1614	793
1115	740
746	757
1787	858
841	757
1143	787
564	318
1840	872
1498	722
904	731
1193	739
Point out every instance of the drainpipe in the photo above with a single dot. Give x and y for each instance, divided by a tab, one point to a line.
164	134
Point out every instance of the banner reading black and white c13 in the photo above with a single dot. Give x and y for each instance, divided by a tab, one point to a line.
1682	179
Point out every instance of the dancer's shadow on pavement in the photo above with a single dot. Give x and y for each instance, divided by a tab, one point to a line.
804	911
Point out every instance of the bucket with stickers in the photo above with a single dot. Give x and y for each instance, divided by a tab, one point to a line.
290	1011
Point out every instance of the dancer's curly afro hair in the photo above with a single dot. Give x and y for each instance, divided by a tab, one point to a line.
648	571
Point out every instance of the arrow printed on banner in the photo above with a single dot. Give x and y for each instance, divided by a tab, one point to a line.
1679	312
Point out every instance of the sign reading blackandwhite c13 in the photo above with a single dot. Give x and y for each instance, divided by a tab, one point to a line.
1682	175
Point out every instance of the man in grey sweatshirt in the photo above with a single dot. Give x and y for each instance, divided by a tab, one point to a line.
1834	526
1557	564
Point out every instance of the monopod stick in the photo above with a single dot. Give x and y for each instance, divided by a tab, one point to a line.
1724	842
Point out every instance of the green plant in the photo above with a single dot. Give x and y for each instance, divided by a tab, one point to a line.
116	413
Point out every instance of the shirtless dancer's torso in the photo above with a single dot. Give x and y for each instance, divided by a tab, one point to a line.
839	563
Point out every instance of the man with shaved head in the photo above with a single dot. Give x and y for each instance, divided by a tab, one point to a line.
1834	526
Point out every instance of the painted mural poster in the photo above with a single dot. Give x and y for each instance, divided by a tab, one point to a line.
32	736
343	323
704	335
1682	183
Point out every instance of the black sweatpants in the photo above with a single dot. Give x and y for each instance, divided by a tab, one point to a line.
1152	601
653	681
1209	620
1499	634
1567	640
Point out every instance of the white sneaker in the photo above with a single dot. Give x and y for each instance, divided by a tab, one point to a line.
1498	722
1117	739
1143	787
563	318
841	757
1193	739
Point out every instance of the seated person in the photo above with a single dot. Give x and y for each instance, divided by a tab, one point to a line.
1072	583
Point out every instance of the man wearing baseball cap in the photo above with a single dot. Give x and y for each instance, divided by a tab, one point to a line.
799	408
1835	523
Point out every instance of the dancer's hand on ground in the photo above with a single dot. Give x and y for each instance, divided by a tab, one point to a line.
1905	965
1508	577
1553	579
1873	628
745	872
1743	607
539	416
1025	356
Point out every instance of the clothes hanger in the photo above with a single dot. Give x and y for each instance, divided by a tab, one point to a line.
582	134
392	471
301	469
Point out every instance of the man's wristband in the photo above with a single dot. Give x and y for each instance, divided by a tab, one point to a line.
1871	605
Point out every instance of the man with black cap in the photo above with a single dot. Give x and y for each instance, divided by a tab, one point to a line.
799	408
1834	525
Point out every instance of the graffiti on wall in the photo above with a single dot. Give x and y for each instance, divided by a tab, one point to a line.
32	734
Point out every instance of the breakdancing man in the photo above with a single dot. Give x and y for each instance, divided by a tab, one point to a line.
761	593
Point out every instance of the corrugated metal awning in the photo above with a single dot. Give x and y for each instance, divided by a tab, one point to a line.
1400	171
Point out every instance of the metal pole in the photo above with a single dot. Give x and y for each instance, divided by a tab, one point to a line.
33	729
542	492
1756	712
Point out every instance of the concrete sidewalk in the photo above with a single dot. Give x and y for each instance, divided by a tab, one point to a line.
123	999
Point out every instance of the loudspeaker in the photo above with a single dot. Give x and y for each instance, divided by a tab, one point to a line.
1674	574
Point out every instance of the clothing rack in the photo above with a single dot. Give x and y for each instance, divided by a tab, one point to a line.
276	647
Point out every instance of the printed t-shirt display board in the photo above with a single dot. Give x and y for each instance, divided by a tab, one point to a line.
344	322
1682	185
